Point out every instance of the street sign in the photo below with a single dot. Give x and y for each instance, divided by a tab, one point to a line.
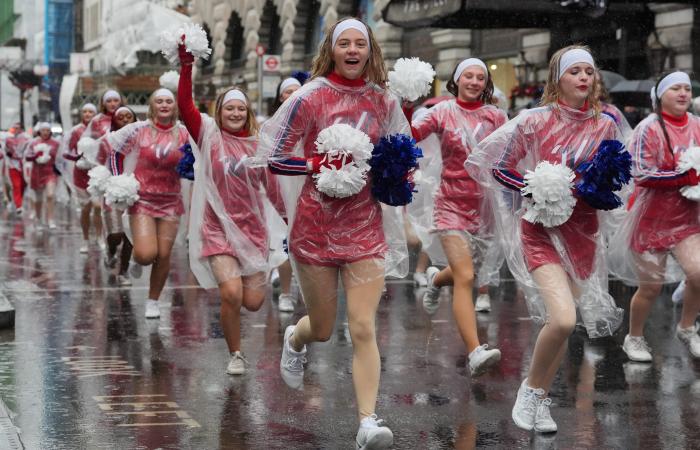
271	63
259	50
270	83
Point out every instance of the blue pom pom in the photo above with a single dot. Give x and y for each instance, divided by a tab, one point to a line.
394	160
607	172
185	168
301	76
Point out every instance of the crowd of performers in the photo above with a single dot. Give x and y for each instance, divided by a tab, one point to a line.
256	191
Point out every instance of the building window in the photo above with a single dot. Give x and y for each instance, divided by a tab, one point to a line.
234	42
313	29
270	33
91	24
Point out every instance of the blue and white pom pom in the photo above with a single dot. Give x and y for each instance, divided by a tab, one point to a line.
393	166
608	171
44	152
122	191
88	148
552	201
411	78
690	159
170	80
185	167
339	141
99	177
195	41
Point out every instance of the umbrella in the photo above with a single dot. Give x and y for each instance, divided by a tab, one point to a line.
632	93
611	78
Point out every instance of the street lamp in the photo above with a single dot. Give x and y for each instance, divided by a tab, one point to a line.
657	54
522	69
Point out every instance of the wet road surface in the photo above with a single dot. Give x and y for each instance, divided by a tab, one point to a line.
83	369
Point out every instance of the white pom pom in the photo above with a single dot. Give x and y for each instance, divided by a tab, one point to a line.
44	154
122	191
411	78
99	176
195	41
342	139
690	159
337	141
170	80
552	200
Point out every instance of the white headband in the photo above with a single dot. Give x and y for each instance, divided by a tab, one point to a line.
574	56
110	94
234	94
122	108
671	80
347	25
289	82
43	126
89	106
163	92
466	63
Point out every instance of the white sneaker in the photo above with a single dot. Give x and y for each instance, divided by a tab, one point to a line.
483	303
237	364
421	279
637	348
286	303
152	309
525	408
431	298
123	280
135	270
292	362
481	359
689	337
373	435
677	296
543	419
84	248
52	225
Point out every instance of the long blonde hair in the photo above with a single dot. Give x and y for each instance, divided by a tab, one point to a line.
552	91
375	70
251	123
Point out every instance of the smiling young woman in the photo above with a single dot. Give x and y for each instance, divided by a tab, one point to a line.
339	237
229	240
460	217
151	152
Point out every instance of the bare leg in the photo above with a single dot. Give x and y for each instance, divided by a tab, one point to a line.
687	252
85	220
50	198
285	271
553	285
125	256
422	262
650	269
363	282
458	253
320	288
166	232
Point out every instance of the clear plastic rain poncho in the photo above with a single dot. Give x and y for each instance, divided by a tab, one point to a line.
660	216
42	172
228	213
450	201
327	231
74	176
152	154
559	135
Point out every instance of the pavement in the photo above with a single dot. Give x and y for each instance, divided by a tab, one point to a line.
83	369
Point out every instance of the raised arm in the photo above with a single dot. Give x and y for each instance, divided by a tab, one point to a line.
191	117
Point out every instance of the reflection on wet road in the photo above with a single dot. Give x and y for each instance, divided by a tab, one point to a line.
84	370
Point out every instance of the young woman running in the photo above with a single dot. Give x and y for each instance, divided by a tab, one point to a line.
151	153
560	263
14	146
42	152
460	216
663	221
229	242
332	237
